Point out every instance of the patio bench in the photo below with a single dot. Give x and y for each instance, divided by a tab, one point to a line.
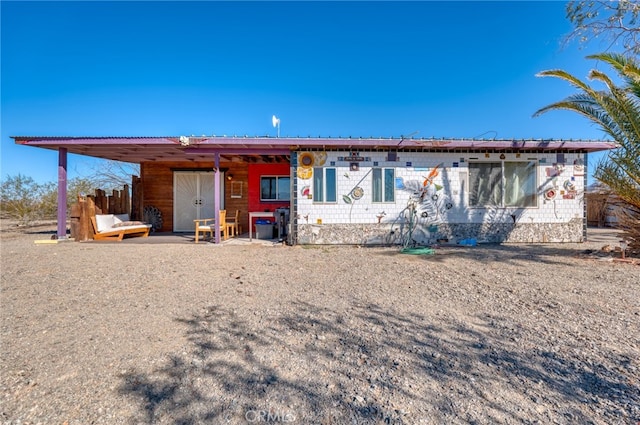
116	226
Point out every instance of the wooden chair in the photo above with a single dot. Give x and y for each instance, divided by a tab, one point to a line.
206	225
233	224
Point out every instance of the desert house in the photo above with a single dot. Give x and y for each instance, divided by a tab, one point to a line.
357	190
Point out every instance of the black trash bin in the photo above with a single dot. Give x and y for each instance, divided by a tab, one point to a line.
282	223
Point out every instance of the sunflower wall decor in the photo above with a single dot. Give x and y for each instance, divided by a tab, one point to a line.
306	159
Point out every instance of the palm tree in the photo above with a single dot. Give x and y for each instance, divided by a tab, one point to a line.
616	110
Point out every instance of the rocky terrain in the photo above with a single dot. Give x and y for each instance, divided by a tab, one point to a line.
163	331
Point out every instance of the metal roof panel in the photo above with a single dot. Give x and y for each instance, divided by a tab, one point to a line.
170	148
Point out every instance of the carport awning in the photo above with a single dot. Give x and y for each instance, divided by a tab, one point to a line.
143	149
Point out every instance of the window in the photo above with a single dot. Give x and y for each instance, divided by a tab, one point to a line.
502	184
485	184
324	185
520	184
275	188
383	185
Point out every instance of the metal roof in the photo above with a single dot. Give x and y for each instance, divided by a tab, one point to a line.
201	148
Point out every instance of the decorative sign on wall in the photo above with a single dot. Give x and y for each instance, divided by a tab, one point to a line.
353	158
236	189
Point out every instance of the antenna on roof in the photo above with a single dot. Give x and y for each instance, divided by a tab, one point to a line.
495	134
276	123
403	137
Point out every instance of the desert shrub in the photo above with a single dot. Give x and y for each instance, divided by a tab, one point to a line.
628	220
21	198
25	200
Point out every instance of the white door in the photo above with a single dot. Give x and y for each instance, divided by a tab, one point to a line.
193	198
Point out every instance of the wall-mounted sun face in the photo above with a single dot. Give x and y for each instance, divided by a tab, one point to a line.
305	173
306	159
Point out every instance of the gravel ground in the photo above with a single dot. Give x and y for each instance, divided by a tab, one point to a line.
163	332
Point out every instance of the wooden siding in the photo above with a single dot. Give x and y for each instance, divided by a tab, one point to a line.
256	171
157	187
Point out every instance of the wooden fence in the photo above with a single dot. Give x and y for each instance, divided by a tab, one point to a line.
118	202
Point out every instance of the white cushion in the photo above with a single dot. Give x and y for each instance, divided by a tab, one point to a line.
104	222
119	218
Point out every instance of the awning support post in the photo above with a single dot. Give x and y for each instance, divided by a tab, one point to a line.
62	193
216	195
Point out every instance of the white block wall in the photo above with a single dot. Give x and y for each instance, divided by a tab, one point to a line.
414	167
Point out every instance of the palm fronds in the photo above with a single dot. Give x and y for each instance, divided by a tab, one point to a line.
616	110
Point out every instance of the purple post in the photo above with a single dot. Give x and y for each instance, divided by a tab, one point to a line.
216	195
62	193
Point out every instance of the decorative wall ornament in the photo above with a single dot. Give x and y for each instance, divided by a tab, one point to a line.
152	215
578	167
305	173
306	159
550	194
357	193
320	158
432	175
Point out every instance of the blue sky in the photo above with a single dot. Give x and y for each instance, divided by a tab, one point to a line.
442	69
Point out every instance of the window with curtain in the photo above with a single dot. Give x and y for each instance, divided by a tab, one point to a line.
502	184
383	185
520	184
324	185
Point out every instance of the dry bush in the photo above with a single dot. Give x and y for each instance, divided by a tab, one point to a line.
628	217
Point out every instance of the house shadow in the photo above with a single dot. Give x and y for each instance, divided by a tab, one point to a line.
489	253
437	211
373	365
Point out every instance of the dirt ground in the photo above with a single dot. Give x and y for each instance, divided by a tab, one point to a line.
164	331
